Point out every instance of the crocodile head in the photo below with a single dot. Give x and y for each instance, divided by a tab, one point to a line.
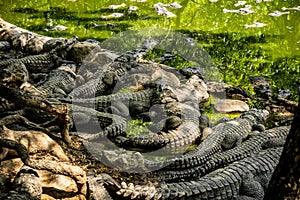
256	116
164	92
124	58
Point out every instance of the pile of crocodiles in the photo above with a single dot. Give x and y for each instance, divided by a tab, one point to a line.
179	155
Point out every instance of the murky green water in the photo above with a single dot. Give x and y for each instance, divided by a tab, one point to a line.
271	51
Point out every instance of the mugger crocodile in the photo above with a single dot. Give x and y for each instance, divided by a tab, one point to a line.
60	82
36	63
105	77
243	179
118	103
223	136
255	143
185	134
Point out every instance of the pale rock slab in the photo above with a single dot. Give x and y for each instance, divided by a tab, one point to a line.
229	106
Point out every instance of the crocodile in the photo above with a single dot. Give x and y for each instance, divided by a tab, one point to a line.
104	78
223	136
34	115
164	96
60	46
243	179
146	46
4	46
227	143
96	189
180	127
92	125
184	135
75	172
177	130
22	189
254	144
261	87
112	124
36	63
193	70
172	138
102	103
60	82
173	142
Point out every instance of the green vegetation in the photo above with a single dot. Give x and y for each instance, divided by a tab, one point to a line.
178	63
271	51
137	126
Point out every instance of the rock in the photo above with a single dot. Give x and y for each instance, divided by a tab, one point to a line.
36	45
213	86
223	90
54	186
35	142
57	186
76	197
80	51
200	88
228	106
19	41
93	61
10	168
124	160
217	89
161	76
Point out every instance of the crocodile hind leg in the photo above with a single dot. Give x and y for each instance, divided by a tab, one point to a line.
251	189
119	108
97	191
